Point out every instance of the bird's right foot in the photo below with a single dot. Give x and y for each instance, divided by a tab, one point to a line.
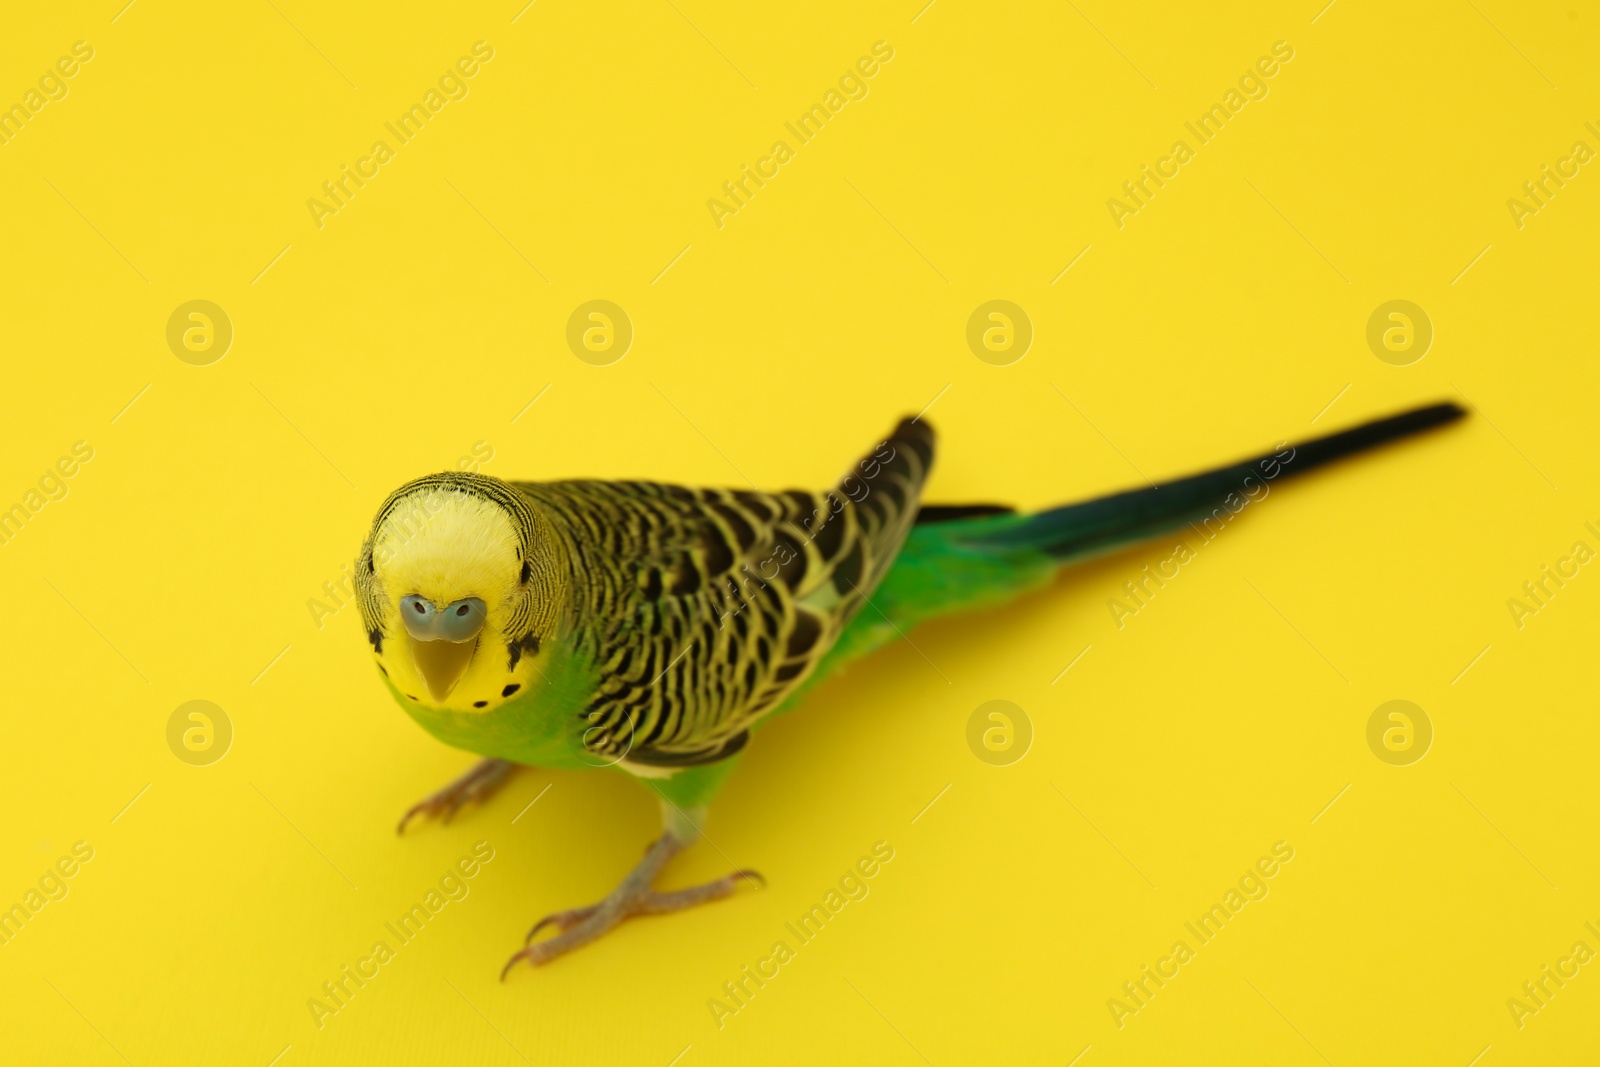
484	779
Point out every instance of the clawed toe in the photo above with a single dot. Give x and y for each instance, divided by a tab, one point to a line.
562	920
432	806
526	954
485	778
678	899
579	926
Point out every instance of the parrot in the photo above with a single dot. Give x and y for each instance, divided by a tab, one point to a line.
650	629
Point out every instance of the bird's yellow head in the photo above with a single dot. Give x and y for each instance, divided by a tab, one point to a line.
461	582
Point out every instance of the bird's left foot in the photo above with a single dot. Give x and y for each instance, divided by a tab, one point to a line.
634	896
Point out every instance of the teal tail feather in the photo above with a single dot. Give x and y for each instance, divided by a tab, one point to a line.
1110	522
967	557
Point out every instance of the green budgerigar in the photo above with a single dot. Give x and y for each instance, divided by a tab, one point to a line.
652	628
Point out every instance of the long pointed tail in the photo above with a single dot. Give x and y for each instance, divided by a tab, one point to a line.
958	558
1095	526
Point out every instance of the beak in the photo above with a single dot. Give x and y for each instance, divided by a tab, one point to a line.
442	639
442	663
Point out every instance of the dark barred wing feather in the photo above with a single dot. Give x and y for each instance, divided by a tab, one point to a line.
704	608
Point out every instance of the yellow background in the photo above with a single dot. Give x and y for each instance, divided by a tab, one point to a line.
1225	316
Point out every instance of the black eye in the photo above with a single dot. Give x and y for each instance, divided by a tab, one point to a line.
418	608
463	609
527	572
